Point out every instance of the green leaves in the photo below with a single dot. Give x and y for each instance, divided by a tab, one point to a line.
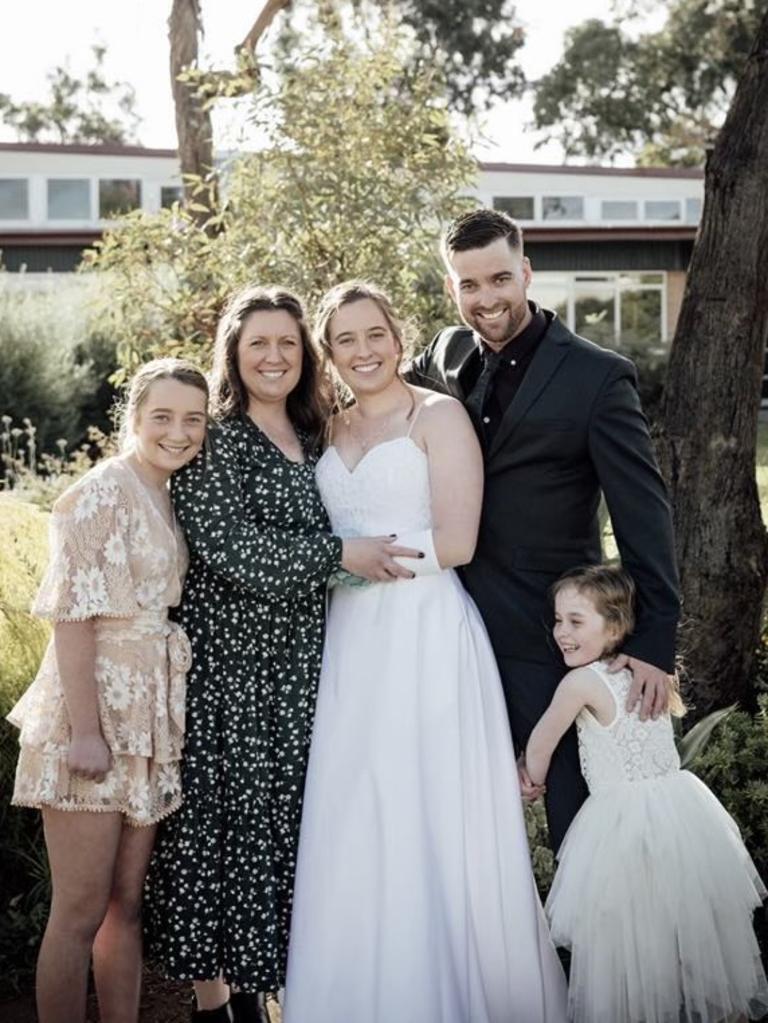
354	178
695	741
664	93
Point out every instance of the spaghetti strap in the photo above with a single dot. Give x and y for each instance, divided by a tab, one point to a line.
416	414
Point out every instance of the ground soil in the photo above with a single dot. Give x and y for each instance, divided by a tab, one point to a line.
162	1001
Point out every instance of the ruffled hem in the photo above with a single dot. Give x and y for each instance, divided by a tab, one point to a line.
654	895
132	822
142	789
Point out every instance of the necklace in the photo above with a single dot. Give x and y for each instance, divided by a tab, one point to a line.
367	441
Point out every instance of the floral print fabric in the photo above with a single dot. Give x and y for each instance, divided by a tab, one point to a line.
114	559
220	886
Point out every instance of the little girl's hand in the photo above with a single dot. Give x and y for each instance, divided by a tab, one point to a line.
89	757
529	790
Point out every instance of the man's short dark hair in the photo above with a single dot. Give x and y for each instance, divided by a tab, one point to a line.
478	228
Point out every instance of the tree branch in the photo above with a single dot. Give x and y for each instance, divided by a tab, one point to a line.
266	16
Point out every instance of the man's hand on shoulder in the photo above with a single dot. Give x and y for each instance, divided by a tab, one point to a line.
650	686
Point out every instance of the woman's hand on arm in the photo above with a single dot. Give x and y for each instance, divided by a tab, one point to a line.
373	558
456	479
75	647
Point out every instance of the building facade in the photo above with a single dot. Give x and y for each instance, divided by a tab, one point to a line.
609	246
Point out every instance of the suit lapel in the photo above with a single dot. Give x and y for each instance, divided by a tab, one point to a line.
551	352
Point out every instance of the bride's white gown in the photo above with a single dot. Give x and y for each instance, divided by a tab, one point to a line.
414	899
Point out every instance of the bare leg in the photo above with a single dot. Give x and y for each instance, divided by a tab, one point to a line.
82	848
211	994
117	946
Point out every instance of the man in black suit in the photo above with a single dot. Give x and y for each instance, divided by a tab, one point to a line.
560	421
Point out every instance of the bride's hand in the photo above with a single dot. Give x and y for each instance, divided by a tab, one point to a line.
373	558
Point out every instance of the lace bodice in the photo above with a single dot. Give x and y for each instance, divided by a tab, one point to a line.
628	749
386	492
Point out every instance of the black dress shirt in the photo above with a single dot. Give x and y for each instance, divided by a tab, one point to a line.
514	359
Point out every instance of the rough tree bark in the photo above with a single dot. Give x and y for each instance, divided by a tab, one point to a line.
194	128
708	429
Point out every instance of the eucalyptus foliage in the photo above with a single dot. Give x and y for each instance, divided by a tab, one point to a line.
353	178
618	88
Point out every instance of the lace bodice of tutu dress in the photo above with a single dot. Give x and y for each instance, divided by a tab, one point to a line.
627	750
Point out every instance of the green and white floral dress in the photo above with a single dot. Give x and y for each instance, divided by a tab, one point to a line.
221	882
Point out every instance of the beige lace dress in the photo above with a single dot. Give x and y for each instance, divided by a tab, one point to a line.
115	559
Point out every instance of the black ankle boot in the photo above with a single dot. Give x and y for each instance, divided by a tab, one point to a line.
248	1007
221	1015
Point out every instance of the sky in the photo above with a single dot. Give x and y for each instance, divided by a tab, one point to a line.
39	34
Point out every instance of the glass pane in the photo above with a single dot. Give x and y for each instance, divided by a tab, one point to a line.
69	199
662	210
692	211
118	196
518	206
594	313
169	194
641	318
562	207
619	209
14	199
551	296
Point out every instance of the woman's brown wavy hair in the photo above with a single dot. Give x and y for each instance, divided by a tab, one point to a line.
308	403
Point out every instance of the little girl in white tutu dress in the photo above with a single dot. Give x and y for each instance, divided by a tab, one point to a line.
654	892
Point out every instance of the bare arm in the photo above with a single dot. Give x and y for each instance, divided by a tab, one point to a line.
456	479
580	688
75	646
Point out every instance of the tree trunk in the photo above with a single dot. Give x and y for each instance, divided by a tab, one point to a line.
193	122
708	431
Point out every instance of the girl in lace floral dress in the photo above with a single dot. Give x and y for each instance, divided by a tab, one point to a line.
102	725
654	892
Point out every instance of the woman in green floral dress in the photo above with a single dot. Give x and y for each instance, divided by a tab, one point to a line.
220	886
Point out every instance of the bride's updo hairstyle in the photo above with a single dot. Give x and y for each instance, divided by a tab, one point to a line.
612	591
356	291
137	392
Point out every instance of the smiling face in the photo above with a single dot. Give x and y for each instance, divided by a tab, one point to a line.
269	355
169	427
363	347
489	287
580	631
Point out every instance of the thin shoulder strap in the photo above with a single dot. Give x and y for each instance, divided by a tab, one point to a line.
416	415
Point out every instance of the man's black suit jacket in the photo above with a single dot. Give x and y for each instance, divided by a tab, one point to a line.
574	428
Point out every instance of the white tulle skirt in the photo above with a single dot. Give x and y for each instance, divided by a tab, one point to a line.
414	900
654	895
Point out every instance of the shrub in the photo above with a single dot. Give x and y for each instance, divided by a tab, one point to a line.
24	887
54	367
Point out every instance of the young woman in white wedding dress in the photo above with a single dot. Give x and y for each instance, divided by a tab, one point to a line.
414	896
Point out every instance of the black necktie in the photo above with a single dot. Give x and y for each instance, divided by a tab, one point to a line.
477	397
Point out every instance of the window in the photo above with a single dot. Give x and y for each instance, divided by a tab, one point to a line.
595	309
692	211
69	199
562	207
14	199
552	294
169	194
663	209
619	209
624	311
641	317
118	196
518	206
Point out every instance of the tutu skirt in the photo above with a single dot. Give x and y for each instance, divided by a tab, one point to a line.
654	895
